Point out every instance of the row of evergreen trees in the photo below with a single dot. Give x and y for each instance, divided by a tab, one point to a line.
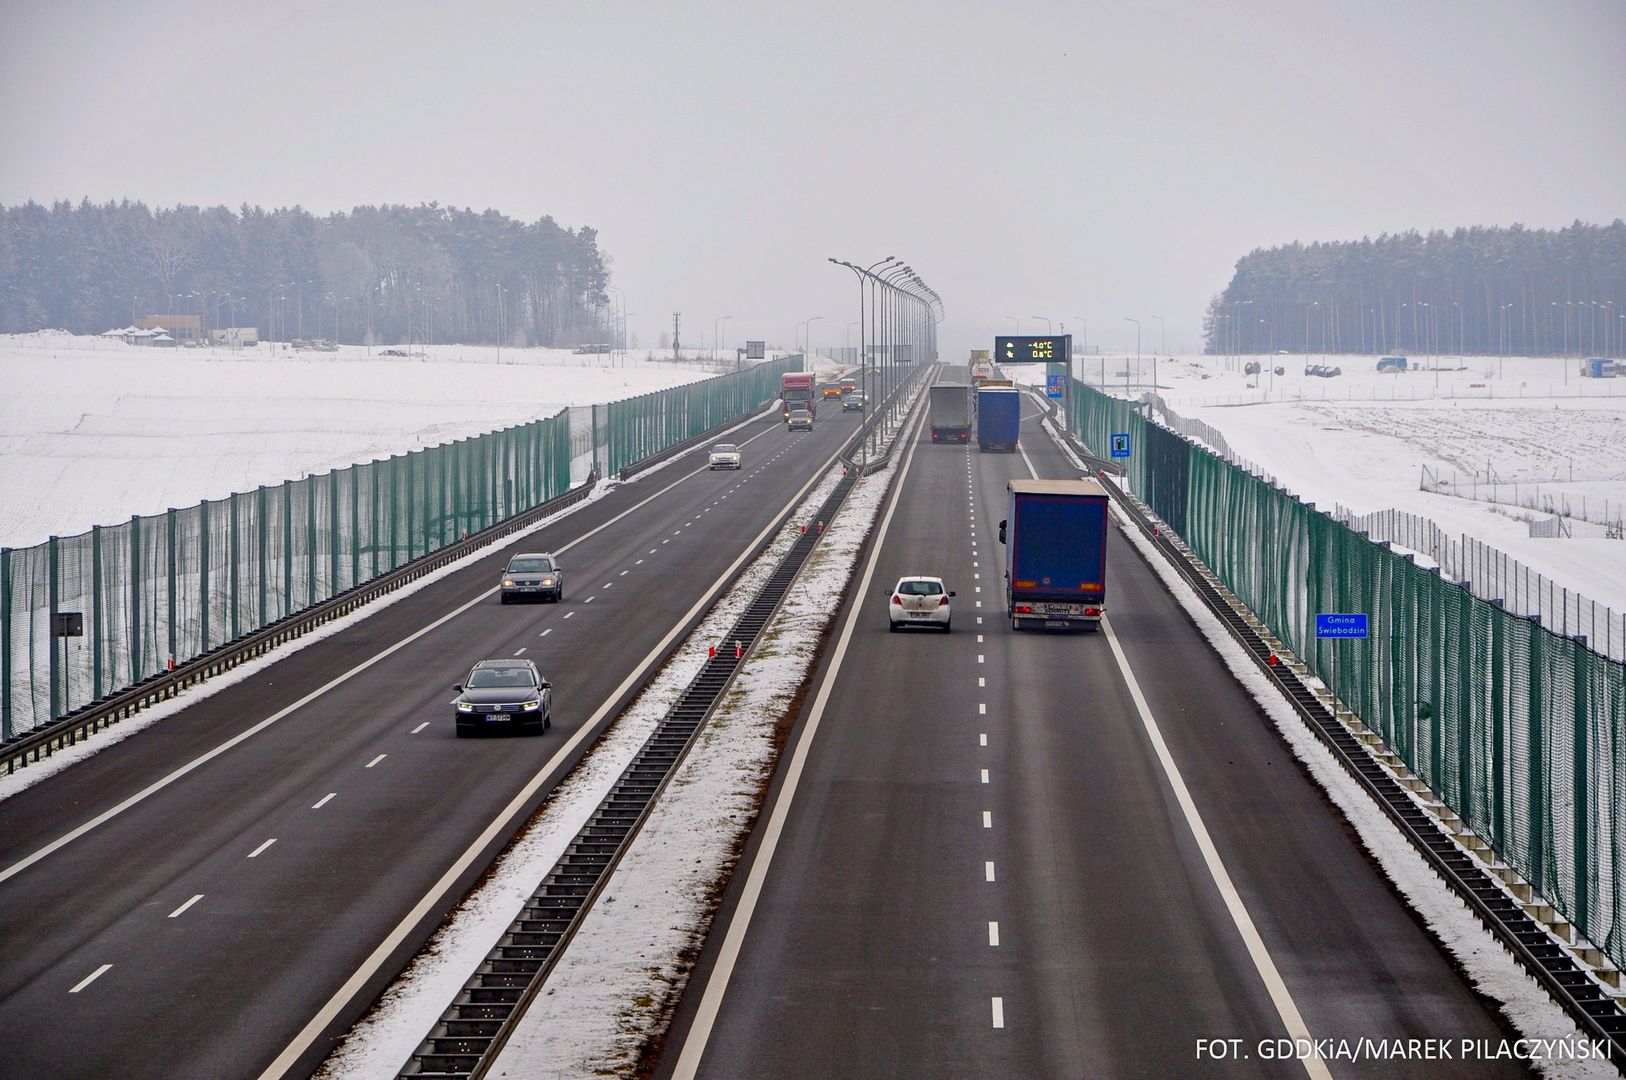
378	273
1488	291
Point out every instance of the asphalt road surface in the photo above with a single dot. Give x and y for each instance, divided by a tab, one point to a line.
986	870
199	930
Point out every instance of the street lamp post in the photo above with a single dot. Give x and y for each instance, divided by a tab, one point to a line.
717	330
1018	323
1046	322
1137	355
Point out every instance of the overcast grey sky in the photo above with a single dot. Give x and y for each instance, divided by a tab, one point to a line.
1050	157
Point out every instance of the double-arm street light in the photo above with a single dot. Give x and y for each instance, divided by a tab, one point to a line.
903	314
804	334
717	330
1047	329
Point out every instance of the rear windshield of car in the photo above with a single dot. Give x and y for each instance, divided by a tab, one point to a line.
530	566
920	588
490	678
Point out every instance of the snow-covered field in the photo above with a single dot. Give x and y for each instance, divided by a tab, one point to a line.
94	430
1363	439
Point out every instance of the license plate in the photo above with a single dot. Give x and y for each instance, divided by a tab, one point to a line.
495	718
1058	624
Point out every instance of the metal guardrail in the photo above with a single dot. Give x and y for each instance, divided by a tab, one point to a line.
471	1033
1595	1011
70	729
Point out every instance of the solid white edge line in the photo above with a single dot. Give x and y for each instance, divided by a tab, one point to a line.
180	910
88	979
314	1028
1279	996
699	1033
257	851
158	785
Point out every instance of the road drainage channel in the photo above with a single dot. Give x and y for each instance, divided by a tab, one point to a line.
468	1036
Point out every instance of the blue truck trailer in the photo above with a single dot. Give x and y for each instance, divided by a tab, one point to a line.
1055	537
999	417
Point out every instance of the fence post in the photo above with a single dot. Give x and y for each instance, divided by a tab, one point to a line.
95	611
5	643
1581	787
51	556
287	605
354	473
263	549
1536	785
234	552
132	574
169	527
312	559
333	532
203	576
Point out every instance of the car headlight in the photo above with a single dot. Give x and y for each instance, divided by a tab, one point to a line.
547	581
463	706
507	581
532	705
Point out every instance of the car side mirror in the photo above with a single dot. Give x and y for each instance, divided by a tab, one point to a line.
545	685
953	593
1002	532
458	687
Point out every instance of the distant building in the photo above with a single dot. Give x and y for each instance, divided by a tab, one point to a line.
235	336
179	327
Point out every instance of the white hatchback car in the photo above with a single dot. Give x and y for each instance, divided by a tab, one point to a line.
724	456
919	601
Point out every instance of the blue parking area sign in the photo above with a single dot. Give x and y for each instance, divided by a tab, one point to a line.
1340	626
1120	445
1055	386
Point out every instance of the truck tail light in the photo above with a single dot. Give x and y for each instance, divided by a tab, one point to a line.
1092	611
1024	609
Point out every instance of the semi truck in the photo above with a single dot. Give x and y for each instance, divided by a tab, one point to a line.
1055	537
951	412
796	392
999	417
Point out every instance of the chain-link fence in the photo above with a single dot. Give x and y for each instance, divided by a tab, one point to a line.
166	588
1518	728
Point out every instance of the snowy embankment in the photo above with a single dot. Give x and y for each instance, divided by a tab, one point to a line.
615	985
1490	967
93	431
1362	439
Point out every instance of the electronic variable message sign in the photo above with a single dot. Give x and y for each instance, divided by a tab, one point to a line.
1049	349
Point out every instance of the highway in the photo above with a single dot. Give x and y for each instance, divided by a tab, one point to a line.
226	892
987	866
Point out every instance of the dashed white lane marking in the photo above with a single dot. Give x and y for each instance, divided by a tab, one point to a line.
323	800
999	1012
607	584
568	614
985	776
376	760
589	600
675	532
521	650
977	577
178	912
256	852
988	819
988	870
624	573
419	728
979	603
981	681
640	562
979	658
993	933
978	588
1285	1007
652	550
979	623
979	636
982	708
546	632
88	979
982	739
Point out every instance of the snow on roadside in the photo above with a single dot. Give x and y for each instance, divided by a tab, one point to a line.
1489	966
382	1042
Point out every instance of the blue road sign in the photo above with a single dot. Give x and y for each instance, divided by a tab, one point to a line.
1055	386
1340	626
1120	445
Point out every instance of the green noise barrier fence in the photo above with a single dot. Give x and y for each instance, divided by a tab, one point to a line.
1518	729
170	587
